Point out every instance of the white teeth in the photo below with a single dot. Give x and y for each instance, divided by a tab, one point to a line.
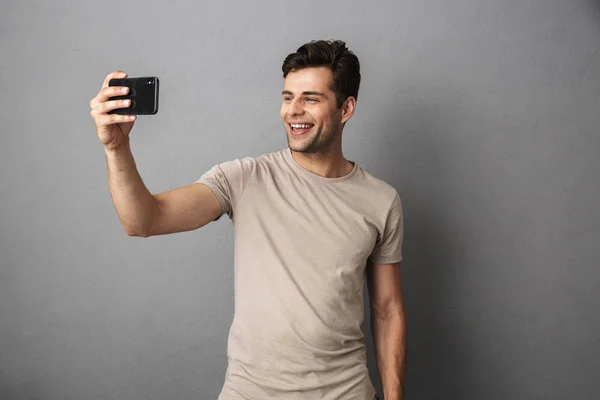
300	126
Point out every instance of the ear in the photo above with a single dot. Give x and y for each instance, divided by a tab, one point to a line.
348	108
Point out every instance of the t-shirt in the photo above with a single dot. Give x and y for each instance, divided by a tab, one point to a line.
302	243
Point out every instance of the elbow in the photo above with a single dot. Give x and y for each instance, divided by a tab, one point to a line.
141	235
141	226
136	232
132	233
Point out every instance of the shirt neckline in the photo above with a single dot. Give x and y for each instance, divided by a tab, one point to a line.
314	177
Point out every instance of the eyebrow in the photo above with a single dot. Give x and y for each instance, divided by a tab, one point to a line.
307	93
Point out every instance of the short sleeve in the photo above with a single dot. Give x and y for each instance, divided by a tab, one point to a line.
228	181
388	248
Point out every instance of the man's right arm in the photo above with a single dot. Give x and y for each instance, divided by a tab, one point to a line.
140	212
144	214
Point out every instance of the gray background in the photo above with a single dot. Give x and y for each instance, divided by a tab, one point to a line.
483	114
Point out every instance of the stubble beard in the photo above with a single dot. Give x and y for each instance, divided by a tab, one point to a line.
319	142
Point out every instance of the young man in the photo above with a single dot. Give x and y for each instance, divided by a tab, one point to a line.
309	226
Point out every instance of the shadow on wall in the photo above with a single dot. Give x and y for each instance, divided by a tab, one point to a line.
416	151
595	7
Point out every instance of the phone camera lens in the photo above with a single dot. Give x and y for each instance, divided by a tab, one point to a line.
149	82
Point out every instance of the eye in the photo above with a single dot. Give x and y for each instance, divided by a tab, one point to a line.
287	98
311	100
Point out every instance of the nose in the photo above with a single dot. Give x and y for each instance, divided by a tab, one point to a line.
295	107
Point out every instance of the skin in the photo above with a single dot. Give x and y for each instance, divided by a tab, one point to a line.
113	129
307	98
388	325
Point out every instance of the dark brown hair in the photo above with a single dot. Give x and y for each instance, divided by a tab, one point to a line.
333	54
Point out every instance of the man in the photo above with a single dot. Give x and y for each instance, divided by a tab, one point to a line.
309	225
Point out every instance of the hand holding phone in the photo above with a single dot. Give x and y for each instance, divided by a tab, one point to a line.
113	128
143	95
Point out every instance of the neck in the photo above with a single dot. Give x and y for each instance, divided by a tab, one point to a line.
329	163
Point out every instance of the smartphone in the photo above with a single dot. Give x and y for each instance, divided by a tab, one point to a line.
143	93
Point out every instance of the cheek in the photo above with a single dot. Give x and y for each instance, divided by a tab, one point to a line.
325	115
325	119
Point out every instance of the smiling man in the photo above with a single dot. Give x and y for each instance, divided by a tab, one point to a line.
309	226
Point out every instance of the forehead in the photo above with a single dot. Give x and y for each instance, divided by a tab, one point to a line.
309	79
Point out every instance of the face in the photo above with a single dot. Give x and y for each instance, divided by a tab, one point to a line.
308	110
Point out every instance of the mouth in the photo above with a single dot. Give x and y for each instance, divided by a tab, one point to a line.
298	129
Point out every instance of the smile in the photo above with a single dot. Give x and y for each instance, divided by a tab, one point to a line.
300	128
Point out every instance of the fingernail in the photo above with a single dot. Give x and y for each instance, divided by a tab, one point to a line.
124	90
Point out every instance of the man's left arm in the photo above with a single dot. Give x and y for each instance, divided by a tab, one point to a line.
388	325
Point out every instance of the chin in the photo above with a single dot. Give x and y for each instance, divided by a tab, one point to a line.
304	145
299	148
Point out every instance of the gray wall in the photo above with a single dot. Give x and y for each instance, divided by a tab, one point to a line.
483	114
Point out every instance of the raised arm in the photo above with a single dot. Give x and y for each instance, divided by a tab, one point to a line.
140	212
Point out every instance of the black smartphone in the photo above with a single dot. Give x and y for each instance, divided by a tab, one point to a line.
143	93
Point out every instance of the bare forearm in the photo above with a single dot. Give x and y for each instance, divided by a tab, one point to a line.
390	344
134	204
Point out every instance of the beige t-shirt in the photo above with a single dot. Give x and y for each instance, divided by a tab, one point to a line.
302	242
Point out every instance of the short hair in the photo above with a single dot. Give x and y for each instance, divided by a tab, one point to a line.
333	54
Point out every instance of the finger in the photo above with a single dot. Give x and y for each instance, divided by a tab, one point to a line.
111	119
113	75
105	107
111	91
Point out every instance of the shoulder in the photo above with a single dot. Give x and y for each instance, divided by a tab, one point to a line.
377	187
260	164
247	166
275	157
263	159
